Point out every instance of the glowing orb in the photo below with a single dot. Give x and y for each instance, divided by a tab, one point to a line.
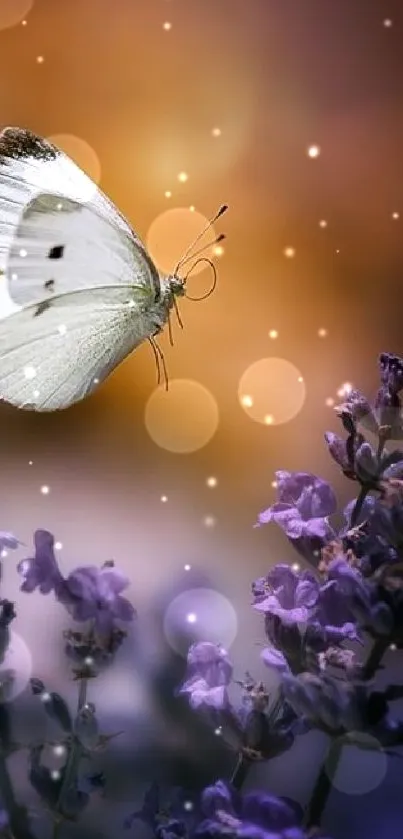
200	614
170	235
12	12
362	767
17	661
182	419
272	391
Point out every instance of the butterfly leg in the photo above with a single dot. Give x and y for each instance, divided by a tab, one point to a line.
156	358
157	349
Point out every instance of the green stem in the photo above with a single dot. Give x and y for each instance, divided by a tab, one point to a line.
19	823
324	782
358	506
74	755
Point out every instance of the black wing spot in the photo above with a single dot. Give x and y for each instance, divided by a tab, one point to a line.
49	285
56	252
43	307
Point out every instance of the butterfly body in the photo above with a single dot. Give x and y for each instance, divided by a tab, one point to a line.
86	289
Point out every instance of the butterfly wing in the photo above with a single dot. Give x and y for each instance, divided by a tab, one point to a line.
58	232
51	360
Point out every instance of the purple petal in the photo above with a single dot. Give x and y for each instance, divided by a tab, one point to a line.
274	659
337	449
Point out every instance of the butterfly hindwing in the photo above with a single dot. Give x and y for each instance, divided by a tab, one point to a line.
55	357
58	232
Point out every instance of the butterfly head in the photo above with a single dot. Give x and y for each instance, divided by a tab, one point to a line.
176	285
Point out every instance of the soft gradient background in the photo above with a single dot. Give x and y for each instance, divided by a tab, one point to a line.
275	77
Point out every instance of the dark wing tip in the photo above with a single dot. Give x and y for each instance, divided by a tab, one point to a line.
20	144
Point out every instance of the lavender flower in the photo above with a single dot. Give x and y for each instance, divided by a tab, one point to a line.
254	816
91	593
88	593
302	617
209	672
41	571
339	708
303	506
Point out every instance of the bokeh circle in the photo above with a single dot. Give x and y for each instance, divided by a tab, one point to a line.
17	660
363	764
182	419
200	614
170	235
272	391
12	12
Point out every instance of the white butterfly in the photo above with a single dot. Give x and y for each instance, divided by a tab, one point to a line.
86	290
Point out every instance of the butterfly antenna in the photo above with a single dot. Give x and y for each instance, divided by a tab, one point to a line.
223	209
215	241
214	283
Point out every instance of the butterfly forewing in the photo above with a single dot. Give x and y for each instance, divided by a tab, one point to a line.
52	360
58	232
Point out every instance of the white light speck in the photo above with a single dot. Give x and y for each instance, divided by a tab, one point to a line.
247	401
218	731
268	419
395	216
212	482
40	59
329	402
218	250
29	372
59	750
89	661
164	499
313	151
192	208
23	253
168	193
388	22
3	553
322	333
183	177
58	546
289	252
216	132
59	206
274	484
345	389
30	463
323	223
300	379
45	490
209	521
45	696
55	775
23	23
188	806
295	566
191	617
273	334
14	276
96	381
167	26
187	567
36	394
62	329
